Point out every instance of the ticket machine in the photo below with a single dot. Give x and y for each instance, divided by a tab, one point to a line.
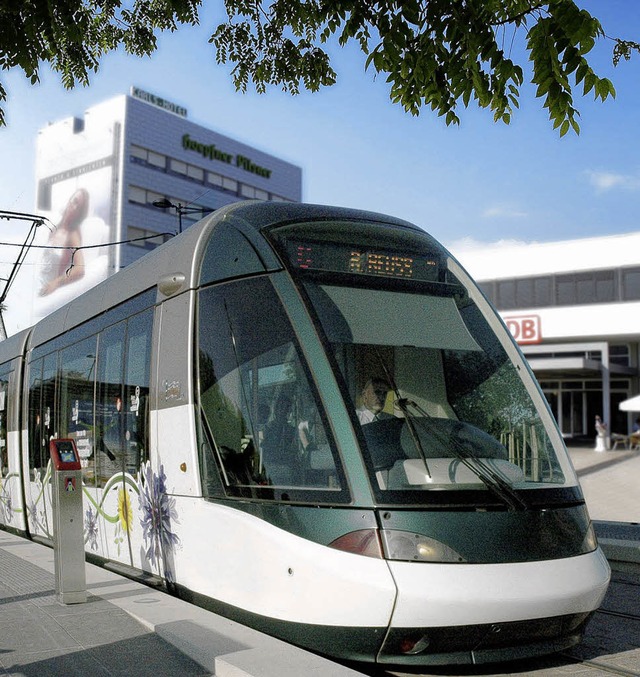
68	532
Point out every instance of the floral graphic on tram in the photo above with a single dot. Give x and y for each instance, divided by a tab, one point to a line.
124	510
91	529
36	511
124	522
6	505
158	511
156	514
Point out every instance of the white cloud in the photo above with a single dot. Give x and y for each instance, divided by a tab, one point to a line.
470	245
605	181
503	211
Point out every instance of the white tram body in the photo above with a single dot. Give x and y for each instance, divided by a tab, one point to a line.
310	420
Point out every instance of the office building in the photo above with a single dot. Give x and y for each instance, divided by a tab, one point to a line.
99	175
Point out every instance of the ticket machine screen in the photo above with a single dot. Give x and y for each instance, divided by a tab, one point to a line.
64	455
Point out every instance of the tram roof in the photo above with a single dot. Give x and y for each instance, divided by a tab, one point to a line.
181	256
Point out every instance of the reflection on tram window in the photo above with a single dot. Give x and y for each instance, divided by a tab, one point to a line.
457	415
262	427
4	458
96	392
77	374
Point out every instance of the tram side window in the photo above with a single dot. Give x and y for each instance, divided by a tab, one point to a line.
42	427
109	410
122	408
4	392
137	370
258	406
77	374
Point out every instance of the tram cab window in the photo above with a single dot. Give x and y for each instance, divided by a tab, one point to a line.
263	430
451	393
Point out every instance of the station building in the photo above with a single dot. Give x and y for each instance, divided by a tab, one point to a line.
99	175
574	308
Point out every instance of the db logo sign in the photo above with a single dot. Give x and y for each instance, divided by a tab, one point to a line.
524	328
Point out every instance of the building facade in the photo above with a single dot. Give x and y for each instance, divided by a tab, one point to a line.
573	307
99	176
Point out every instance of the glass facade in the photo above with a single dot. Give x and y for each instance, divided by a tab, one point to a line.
566	289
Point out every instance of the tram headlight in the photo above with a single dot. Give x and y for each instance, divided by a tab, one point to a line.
396	545
411	547
362	542
590	542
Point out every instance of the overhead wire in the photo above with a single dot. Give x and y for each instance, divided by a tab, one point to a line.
27	245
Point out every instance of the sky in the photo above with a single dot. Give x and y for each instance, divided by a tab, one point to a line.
469	185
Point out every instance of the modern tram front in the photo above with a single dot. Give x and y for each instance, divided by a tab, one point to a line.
478	510
383	479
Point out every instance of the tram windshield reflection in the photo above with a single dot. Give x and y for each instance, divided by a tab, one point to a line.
457	413
452	393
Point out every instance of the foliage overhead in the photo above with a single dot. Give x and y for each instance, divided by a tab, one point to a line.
435	53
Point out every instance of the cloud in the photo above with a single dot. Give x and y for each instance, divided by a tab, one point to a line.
503	211
471	245
605	181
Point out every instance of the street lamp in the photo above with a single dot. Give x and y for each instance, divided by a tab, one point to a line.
180	209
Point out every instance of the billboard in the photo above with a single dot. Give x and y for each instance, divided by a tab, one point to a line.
76	175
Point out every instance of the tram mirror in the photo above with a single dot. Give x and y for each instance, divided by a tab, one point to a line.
392	318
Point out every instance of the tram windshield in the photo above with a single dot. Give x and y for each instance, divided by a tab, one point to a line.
437	402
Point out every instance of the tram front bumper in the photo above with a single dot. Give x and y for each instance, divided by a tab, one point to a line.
461	613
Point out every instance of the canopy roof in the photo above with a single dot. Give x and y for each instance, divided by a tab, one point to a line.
632	404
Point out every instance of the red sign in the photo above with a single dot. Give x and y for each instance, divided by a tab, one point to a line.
524	328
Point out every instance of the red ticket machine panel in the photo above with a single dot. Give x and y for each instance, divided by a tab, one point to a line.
64	455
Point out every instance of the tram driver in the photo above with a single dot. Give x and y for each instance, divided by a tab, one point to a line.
372	401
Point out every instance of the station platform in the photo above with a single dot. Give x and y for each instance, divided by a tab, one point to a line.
129	628
126	628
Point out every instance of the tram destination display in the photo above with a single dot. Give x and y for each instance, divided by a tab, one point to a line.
361	260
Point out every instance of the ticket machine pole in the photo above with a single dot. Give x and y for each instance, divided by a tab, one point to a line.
68	531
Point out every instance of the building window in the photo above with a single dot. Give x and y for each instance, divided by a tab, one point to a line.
178	167
565	291
214	179
157	160
585	288
252	193
620	354
152	197
151	238
138	195
631	284
145	156
542	287
506	294
195	173
230	184
139	153
487	290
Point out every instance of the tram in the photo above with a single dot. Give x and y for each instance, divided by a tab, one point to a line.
310	420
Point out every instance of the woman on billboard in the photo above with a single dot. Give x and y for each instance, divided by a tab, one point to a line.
64	263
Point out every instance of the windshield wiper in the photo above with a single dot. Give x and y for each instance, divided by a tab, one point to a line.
415	438
487	476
